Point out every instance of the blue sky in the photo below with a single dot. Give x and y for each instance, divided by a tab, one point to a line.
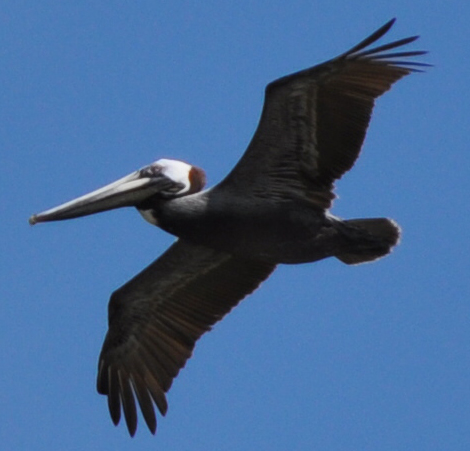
324	356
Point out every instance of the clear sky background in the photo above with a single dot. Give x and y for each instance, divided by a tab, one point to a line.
322	357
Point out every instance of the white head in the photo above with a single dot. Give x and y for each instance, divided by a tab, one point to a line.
187	179
177	171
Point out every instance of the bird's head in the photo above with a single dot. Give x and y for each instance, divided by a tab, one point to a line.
159	181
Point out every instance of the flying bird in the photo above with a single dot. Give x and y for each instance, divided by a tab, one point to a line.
272	208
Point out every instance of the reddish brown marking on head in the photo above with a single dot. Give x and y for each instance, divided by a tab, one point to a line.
197	180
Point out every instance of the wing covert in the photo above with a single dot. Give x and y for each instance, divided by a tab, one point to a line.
156	318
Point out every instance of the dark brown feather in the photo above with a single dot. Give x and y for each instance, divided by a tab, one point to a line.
127	398
156	318
145	401
314	123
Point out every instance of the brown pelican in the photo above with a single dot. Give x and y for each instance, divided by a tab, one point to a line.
272	208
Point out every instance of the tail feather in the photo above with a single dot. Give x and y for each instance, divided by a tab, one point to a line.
371	239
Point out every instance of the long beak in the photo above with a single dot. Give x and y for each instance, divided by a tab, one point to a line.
125	192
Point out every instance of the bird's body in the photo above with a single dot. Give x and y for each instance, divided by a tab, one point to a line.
272	208
256	228
277	231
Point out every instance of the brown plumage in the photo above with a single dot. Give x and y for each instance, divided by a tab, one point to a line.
314	121
272	208
156	318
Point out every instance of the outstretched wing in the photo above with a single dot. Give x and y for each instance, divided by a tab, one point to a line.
156	318
314	122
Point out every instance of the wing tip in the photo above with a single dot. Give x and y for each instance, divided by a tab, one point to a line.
121	393
375	36
372	55
358	51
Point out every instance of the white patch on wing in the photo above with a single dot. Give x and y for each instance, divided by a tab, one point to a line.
178	171
331	216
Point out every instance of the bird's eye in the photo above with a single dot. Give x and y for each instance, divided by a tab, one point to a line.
151	171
